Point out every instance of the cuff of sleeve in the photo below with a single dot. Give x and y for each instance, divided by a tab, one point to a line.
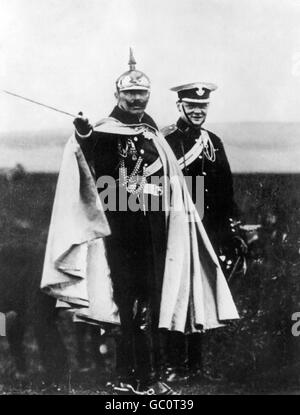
84	135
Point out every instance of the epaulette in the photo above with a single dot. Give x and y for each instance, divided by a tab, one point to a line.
169	129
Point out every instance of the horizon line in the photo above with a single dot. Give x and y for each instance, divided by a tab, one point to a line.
208	122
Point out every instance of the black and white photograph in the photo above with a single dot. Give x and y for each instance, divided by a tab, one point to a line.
150	198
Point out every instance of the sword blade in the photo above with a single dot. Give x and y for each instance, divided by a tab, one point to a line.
38	103
234	269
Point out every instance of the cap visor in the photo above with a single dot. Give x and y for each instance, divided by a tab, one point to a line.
197	101
135	88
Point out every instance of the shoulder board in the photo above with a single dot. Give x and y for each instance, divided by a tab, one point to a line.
168	130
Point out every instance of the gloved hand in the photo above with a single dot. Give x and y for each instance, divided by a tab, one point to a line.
82	125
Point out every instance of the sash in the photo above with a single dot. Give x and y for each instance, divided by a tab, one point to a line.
185	160
195	151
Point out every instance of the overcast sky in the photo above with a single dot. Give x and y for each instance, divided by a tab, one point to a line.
68	53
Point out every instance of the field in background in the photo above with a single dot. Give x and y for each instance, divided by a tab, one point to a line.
254	355
251	147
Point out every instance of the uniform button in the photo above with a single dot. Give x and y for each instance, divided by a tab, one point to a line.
204	173
206	190
142	151
135	139
200	157
146	164
207	207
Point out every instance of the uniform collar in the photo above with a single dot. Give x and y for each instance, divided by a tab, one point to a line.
127	118
188	129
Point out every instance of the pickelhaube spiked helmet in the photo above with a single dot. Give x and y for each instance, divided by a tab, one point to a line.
132	79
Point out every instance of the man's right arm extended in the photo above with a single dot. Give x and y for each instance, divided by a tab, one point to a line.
84	135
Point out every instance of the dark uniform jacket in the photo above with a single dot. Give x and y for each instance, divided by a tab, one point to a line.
219	204
101	150
136	247
130	230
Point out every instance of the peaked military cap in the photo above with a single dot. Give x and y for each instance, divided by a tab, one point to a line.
194	92
133	79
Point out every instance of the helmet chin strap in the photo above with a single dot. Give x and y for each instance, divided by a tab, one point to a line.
187	117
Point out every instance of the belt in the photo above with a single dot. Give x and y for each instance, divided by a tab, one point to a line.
153	189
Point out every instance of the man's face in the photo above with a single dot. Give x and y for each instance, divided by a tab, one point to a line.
133	101
193	112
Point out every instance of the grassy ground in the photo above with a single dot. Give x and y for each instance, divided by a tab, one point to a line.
257	354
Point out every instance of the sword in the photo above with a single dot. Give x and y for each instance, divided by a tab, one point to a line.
39	103
237	263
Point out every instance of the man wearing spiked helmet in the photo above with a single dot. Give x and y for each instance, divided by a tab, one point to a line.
132	266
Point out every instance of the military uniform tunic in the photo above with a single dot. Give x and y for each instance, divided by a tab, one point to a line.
219	204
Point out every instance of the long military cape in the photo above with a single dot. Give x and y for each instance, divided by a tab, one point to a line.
195	294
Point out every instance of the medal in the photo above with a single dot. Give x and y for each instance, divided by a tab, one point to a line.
131	149
131	187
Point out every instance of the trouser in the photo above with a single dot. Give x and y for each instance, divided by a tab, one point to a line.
136	289
185	351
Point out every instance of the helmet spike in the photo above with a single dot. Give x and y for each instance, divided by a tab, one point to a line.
132	79
132	61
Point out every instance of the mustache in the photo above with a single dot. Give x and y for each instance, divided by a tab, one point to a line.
137	103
